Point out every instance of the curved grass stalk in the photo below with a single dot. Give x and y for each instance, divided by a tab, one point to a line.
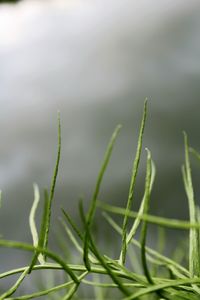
36	267
33	227
32	224
40	243
75	268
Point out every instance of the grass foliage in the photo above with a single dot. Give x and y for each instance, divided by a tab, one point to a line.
156	276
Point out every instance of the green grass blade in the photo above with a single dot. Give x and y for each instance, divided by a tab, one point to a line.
73	225
77	231
197	210
132	186
97	189
86	239
197	155
146	208
56	266
194	257
74	240
101	174
71	236
53	184
44	224
142	206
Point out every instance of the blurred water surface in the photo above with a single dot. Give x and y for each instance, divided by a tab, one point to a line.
96	61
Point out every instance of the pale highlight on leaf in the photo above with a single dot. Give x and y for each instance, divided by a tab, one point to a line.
32	224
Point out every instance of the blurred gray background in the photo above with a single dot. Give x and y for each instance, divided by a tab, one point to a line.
96	61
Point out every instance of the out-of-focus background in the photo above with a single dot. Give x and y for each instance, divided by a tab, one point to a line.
96	61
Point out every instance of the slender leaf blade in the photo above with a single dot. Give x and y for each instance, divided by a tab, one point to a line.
53	183
93	204
132	185
194	256
147	192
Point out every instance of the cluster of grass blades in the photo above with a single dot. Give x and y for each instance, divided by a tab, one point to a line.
157	277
